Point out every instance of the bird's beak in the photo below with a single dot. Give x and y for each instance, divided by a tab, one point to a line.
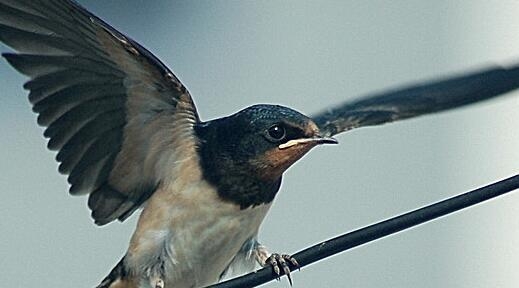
317	140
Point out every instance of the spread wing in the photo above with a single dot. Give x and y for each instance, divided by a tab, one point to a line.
115	113
418	100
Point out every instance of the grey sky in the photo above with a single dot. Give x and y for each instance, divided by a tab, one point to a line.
307	55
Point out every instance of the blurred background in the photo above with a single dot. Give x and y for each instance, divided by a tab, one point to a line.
308	55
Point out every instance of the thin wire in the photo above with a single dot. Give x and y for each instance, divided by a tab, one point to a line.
379	230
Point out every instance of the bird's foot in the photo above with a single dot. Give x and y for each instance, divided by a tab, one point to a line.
279	262
282	262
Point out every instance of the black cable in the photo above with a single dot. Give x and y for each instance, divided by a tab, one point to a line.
379	230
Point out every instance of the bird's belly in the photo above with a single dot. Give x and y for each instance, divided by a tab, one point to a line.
191	240
205	249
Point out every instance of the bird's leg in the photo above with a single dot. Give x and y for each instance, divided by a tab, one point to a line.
277	261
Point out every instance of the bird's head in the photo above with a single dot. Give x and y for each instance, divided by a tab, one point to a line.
257	144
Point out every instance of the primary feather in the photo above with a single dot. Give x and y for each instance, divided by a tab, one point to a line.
98	93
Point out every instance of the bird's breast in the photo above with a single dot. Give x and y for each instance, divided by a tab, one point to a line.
193	232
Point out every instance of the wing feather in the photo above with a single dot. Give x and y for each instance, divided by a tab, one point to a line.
420	99
107	102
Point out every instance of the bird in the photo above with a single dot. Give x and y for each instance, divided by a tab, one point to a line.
129	136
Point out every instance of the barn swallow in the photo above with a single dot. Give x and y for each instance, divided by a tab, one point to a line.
128	135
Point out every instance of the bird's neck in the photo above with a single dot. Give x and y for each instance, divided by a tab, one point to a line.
239	187
234	178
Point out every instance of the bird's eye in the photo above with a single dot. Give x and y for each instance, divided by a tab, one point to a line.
276	133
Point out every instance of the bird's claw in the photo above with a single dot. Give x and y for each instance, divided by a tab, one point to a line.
282	262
